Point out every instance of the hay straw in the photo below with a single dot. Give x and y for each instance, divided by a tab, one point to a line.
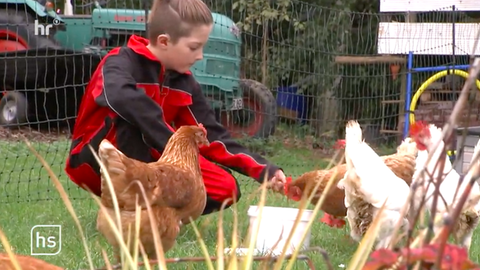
8	249
64	196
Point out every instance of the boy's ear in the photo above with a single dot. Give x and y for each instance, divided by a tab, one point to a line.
162	40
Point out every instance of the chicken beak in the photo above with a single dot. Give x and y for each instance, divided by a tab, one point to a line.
205	143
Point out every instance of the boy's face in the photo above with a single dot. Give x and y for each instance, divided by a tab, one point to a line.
182	55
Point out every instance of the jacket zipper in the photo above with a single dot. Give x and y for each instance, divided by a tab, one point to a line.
165	76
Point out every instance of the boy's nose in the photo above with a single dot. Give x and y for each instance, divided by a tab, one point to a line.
199	56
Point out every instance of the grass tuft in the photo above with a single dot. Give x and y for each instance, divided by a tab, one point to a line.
201	244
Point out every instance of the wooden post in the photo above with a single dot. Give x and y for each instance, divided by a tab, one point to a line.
401	104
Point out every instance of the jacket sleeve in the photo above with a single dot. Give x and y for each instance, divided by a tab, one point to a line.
223	149
119	92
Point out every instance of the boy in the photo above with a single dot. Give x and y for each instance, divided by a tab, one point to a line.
138	90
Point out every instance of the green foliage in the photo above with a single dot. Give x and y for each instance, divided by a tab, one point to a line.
291	39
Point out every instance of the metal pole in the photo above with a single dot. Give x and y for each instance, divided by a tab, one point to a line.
453	48
406	125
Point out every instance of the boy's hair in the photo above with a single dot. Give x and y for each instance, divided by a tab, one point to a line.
176	18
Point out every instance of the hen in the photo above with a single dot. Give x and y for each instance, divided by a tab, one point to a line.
368	184
426	137
173	184
401	163
25	263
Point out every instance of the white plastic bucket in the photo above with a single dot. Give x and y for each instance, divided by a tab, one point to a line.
276	225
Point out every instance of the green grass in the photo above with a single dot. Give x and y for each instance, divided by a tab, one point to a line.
23	178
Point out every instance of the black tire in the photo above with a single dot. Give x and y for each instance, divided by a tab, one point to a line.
15	100
258	101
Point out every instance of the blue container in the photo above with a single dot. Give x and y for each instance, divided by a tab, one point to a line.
288	98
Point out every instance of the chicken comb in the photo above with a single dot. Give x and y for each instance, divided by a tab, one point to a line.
340	144
418	126
287	184
203	128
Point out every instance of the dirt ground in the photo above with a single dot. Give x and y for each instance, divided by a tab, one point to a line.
50	134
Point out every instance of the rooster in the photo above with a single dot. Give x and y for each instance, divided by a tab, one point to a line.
401	163
426	136
173	185
368	184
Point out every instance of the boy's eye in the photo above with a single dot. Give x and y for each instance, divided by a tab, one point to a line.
194	48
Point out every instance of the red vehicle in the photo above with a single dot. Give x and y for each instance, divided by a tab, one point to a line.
41	80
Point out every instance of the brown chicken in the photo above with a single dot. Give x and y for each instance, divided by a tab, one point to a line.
25	263
401	163
173	185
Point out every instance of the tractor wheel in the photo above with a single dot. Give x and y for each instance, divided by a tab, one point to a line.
13	109
258	116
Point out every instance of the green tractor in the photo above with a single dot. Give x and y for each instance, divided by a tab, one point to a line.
245	107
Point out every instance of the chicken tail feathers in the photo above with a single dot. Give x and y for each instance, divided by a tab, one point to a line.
111	158
353	133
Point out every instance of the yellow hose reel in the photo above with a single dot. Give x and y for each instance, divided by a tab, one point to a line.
427	83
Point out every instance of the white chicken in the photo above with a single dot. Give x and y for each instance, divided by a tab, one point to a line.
426	136
368	184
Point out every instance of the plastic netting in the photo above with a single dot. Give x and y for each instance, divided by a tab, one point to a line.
304	70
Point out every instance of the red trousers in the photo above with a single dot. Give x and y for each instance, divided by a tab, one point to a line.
219	182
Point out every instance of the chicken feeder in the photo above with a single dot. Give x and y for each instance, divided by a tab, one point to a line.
276	224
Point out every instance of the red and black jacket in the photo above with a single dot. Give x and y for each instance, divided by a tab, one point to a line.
132	102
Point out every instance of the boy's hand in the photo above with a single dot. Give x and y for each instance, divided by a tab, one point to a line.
278	181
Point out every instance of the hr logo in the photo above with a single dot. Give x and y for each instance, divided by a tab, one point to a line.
45	240
45	28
